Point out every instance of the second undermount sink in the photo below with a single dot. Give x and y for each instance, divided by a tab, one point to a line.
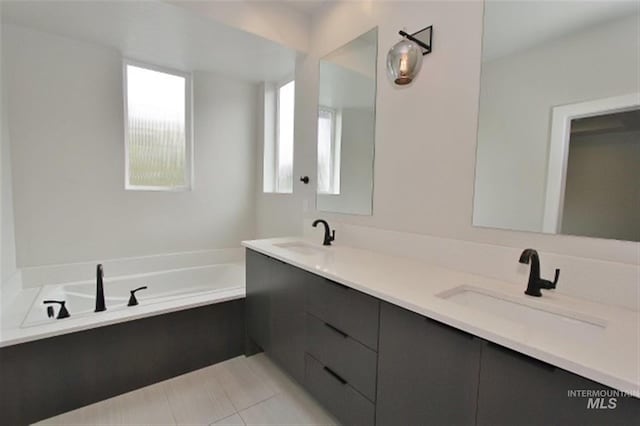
300	248
541	317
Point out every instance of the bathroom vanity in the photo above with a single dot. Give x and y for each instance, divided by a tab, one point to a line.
385	359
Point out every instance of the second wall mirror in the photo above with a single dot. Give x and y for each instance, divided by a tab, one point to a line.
346	127
559	121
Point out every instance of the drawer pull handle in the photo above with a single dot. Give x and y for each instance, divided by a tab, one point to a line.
340	332
335	375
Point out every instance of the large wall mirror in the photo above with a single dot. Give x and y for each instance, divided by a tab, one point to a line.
346	126
559	121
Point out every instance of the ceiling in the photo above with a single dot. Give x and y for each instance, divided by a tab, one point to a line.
308	7
159	33
511	26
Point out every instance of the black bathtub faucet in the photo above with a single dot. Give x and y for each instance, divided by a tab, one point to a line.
328	234
100	306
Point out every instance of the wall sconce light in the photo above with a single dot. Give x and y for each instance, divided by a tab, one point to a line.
405	58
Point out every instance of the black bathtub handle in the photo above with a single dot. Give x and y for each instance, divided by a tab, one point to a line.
132	299
63	312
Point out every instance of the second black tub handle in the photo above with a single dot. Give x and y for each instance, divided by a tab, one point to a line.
132	299
62	313
335	375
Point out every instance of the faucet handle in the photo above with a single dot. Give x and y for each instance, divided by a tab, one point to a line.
548	285
333	235
132	299
63	312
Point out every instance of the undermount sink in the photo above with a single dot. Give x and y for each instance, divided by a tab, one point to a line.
546	318
300	247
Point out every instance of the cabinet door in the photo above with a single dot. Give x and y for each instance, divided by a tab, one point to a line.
288	318
427	372
257	304
519	390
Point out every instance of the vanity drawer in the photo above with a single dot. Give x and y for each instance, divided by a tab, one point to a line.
349	310
352	360
342	400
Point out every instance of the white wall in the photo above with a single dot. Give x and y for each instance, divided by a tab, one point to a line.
425	134
8	247
66	112
8	258
517	96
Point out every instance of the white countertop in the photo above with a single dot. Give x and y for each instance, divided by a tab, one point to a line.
12	333
611	357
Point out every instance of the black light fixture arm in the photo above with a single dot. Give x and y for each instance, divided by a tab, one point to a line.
426	48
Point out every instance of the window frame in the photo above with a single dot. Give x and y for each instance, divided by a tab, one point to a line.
276	142
188	88
335	147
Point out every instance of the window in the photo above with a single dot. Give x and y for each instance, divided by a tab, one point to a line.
278	150
329	139
157	128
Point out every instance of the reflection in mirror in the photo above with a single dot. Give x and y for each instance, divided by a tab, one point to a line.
346	127
612	141
558	130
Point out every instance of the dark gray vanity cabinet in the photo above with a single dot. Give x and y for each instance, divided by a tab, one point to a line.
341	350
519	390
288	293
258	300
275	310
373	363
427	372
324	334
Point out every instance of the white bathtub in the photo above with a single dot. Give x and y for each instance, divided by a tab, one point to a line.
163	286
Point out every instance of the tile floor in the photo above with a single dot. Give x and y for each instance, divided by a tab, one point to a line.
241	391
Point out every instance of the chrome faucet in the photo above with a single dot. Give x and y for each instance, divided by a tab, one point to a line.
99	289
328	235
535	282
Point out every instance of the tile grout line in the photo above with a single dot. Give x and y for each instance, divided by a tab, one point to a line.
228	397
273	388
214	377
166	397
271	383
257	403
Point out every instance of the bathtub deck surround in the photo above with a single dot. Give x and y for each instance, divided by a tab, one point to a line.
27	319
424	289
37	276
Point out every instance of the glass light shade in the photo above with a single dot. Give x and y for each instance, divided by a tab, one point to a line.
404	61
